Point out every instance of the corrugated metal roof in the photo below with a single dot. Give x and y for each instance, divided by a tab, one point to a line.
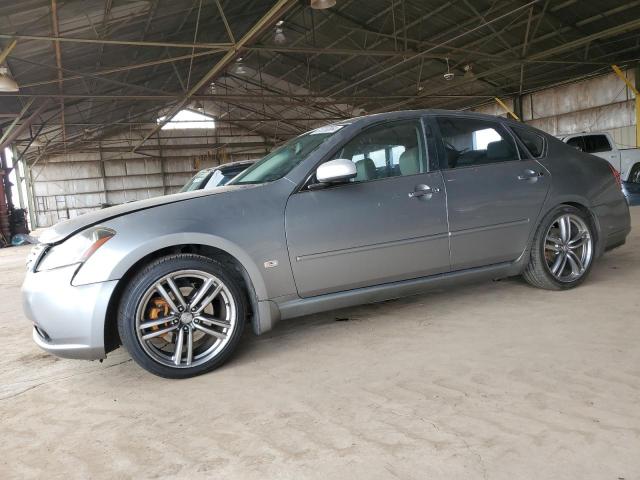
360	56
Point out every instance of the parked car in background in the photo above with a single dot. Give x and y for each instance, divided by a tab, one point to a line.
601	144
364	210
216	176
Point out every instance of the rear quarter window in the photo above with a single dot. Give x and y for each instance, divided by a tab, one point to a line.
533	141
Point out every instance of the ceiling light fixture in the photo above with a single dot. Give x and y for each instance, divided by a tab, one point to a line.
238	67
449	75
322	4
7	83
280	38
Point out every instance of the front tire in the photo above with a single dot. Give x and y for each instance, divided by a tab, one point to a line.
181	316
562	250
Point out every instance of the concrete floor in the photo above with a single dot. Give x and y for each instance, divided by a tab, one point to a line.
495	380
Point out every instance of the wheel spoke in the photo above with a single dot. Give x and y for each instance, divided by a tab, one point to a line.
578	242
565	228
176	292
177	356
167	298
189	346
157	333
575	262
155	323
201	292
207	300
556	264
208	331
213	321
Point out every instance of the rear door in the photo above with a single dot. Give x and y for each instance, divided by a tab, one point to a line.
494	196
389	224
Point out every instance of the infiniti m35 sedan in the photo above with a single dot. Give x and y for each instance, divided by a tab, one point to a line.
359	211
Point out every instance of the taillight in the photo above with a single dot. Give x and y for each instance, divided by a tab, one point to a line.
616	175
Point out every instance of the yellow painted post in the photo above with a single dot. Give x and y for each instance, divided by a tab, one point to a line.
507	109
633	88
5	53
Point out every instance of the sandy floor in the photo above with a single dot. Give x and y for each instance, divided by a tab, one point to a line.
496	380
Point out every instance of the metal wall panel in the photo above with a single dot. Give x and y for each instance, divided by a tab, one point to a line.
72	184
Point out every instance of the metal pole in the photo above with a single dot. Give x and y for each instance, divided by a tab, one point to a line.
635	91
16	168
506	108
33	223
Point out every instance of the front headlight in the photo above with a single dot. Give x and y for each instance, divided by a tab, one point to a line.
76	249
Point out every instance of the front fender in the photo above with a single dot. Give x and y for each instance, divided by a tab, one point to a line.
116	258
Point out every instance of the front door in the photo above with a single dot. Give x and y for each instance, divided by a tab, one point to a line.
494	197
389	224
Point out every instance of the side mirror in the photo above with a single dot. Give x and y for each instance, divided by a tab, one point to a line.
339	170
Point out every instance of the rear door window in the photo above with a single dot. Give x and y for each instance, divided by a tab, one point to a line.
471	142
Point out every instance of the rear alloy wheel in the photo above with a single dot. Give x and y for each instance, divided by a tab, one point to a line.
562	251
182	316
568	248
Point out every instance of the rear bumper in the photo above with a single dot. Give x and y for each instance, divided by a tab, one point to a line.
614	223
68	320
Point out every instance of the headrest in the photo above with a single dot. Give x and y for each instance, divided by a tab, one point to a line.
366	170
410	162
498	150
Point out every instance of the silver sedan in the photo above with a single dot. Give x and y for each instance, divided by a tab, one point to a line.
360	211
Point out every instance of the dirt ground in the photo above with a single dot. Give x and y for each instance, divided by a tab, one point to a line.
495	380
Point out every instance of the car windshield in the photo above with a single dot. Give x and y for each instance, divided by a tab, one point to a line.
197	181
284	158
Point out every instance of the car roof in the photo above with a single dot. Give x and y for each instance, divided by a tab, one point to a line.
376	117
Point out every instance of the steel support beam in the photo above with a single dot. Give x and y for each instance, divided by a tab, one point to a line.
506	108
279	9
56	46
7	51
609	32
23	126
128	43
6	132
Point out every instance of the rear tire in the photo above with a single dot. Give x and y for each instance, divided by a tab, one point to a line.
562	251
634	175
181	316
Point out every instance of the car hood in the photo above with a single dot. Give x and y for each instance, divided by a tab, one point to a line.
66	228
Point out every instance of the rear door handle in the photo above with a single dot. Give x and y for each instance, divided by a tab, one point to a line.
423	191
529	175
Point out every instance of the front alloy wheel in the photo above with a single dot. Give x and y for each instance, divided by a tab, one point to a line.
182	316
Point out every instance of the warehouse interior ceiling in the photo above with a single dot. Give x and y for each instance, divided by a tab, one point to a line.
89	69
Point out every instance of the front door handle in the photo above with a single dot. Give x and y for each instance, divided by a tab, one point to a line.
423	191
529	175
